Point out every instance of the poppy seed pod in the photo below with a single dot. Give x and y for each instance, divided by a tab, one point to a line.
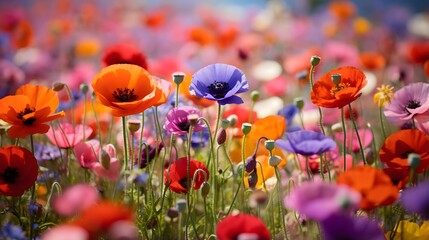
274	160
246	128
414	160
336	78
178	77
254	95
315	60
270	145
221	137
84	88
224	123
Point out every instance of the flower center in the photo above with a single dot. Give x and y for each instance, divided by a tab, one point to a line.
338	88
24	112
184	126
218	89
413	104
184	183
124	95
9	175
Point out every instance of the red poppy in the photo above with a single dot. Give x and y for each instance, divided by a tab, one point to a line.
398	176
326	93
241	225
98	218
426	68
417	52
372	60
178	177
124	53
29	110
397	146
18	170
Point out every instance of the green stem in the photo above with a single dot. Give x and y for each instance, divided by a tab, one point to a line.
357	134
124	130
320	109
282	216
343	124
380	112
33	192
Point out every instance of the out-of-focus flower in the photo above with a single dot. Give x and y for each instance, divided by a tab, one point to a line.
407	230
75	199
352	228
317	200
266	70
326	93
395	149
124	53
343	10
11	77
372	60
384	95
65	232
276	87
148	154
373	184
45	152
154	19
426	68
18	170
87	47
289	112
219	82
177	121
127	89
306	142
29	110
201	36
352	141
417	52
275	103
10	231
416	199
66	135
361	25
241	225
299	62
177	177
340	53
200	139
409	102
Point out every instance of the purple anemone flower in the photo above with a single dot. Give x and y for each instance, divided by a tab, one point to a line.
318	200
416	199
306	143
219	82
411	101
352	228
177	120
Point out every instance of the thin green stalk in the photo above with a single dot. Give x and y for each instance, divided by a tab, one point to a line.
380	113
357	134
343	124
84	116
124	130
33	192
279	192
320	109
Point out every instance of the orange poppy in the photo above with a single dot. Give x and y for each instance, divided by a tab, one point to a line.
29	110
342	9
397	146
127	89
154	19
184	90
201	36
18	170
227	36
326	93
373	184
372	60
426	68
98	218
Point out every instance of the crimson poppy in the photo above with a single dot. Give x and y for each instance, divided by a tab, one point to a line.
177	178
242	226
124	53
18	170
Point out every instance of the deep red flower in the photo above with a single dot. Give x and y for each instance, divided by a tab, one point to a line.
232	227
18	170
178	177
124	53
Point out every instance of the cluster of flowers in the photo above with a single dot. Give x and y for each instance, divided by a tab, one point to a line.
195	161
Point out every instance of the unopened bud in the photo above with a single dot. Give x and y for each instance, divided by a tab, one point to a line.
245	128
270	145
58	86
105	159
205	189
299	102
84	88
251	163
336	78
172	213
252	179
254	95
221	137
178	77
274	160
315	60
224	123
414	160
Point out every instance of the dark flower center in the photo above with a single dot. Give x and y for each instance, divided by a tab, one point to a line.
405	154
184	126
24	112
124	95
9	175
184	183
413	104
218	89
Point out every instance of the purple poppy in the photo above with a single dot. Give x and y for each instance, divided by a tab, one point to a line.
352	228
177	121
411	101
318	200
219	82
306	143
416	199
289	112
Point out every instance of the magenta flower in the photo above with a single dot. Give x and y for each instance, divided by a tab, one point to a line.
89	155
67	136
75	199
177	121
411	101
318	200
219	82
341	226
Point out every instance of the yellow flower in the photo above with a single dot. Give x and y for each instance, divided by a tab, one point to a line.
411	231
361	26
384	95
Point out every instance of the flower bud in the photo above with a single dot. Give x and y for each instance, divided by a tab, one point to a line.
252	179
254	95
270	145
232	120
178	77
58	86
414	160
224	123
84	88
221	137
205	189
250	163
193	119
274	160
336	78
299	102
181	205
245	128
133	125
315	60
105	159
172	213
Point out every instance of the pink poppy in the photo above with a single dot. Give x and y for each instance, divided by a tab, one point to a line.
352	140
341	53
75	199
67	136
65	232
276	87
